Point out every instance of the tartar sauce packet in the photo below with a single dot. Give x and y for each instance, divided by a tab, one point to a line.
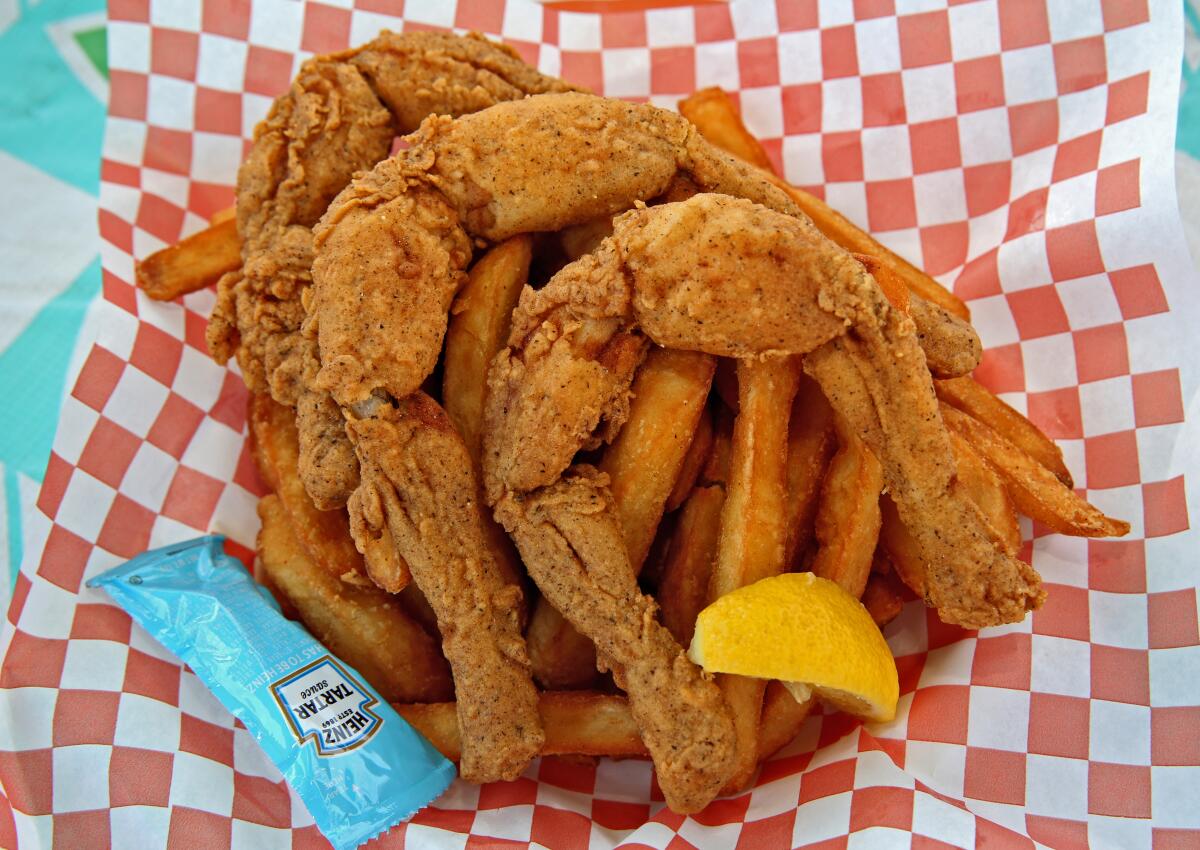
357	765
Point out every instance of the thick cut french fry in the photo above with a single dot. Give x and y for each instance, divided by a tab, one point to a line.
693	462
479	323
901	547
192	264
753	525
363	626
892	285
982	485
581	239
683	589
478	329
811	443
881	598
782	718
853	238
642	463
222	216
325	534
718	120
987	491
969	396
1034	489
560	658
576	723
847	523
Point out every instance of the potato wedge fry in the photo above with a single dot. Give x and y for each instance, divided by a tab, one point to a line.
693	462
782	718
847	522
882	598
986	490
811	444
971	397
718	120
642	463
324	534
575	722
192	264
753	525
479	323
1034	489
363	626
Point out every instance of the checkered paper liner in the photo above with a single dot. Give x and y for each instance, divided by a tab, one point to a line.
1019	151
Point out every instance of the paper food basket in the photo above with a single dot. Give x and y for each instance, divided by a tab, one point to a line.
1021	151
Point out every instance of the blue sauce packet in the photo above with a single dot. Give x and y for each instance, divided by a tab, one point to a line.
357	765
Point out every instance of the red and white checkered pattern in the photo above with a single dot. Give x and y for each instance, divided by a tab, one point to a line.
1020	150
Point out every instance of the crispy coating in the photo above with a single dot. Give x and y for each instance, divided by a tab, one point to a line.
570	538
551	387
419	498
951	346
339	116
688	275
538	164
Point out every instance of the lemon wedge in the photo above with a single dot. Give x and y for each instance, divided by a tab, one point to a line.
809	634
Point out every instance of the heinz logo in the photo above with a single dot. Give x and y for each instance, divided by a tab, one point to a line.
324	702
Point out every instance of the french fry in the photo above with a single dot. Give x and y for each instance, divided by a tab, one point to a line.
683	588
1034	489
901	547
693	462
811	443
971	397
753	528
580	239
717	119
222	216
881	598
893	287
575	722
363	626
987	491
851	237
192	264
561	658
642	463
847	522
479	323
982	485
683	591
324	534
782	718
478	329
